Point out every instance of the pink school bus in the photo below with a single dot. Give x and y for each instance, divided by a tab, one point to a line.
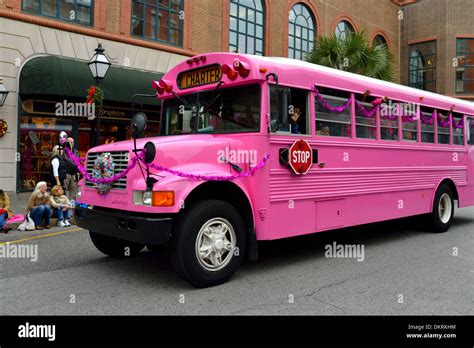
257	148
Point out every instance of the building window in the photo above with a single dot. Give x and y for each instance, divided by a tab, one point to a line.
246	34
301	31
158	20
465	68
379	40
422	66
77	11
343	30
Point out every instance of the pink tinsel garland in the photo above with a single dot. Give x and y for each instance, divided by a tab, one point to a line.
135	160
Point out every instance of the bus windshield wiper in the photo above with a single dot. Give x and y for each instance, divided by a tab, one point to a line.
183	101
214	97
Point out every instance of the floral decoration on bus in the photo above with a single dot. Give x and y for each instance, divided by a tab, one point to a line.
103	168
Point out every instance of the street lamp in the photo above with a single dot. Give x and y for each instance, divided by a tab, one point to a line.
99	65
3	93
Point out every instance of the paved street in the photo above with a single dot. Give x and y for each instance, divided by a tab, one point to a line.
399	260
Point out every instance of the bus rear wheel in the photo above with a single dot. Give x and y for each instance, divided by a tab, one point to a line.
442	214
114	247
208	243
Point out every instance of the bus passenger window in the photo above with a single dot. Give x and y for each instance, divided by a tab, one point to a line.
458	129
409	122
443	127
427	125
389	121
470	130
366	127
288	110
331	123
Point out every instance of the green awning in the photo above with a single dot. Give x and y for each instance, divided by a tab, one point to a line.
51	75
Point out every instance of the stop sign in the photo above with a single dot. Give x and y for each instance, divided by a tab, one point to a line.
300	157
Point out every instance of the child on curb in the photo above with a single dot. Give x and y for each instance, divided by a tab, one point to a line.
61	204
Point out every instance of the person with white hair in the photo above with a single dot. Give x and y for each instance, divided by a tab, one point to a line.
38	206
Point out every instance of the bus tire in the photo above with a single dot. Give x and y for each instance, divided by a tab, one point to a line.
208	243
442	214
114	247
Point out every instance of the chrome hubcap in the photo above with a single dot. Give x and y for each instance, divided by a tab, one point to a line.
215	244
445	208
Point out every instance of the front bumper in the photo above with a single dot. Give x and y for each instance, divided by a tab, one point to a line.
125	225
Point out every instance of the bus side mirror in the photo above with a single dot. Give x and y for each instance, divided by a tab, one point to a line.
138	124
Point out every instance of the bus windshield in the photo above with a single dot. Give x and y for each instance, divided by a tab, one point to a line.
218	111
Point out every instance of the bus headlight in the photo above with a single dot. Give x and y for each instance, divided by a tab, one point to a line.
147	197
79	191
154	198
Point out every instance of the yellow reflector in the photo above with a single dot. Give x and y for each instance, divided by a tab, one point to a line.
162	198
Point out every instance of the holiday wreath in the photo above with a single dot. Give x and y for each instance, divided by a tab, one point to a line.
103	168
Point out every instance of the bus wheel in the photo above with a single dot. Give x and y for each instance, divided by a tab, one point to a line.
208	243
114	247
441	217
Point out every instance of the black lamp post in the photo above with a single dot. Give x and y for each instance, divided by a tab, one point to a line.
3	93
99	65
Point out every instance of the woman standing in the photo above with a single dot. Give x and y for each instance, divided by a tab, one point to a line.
58	169
38	206
5	211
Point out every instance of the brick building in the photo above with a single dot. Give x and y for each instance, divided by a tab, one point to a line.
45	45
438	46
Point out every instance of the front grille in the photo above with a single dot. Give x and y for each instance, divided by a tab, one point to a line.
120	158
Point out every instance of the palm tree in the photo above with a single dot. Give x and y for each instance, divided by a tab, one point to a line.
353	54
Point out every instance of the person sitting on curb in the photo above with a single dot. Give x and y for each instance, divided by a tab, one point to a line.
61	205
5	212
38	206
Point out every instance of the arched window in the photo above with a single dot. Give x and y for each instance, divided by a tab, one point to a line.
416	70
343	30
379	40
422	66
246	34
301	31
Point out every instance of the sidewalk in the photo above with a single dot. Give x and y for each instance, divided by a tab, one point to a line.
19	201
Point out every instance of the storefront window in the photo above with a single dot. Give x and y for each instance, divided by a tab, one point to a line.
40	128
38	135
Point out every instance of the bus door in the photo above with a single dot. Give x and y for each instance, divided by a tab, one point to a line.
291	208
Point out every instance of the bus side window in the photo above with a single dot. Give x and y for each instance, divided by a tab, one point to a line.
288	110
443	127
389	121
366	127
331	123
427	125
458	129
470	130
